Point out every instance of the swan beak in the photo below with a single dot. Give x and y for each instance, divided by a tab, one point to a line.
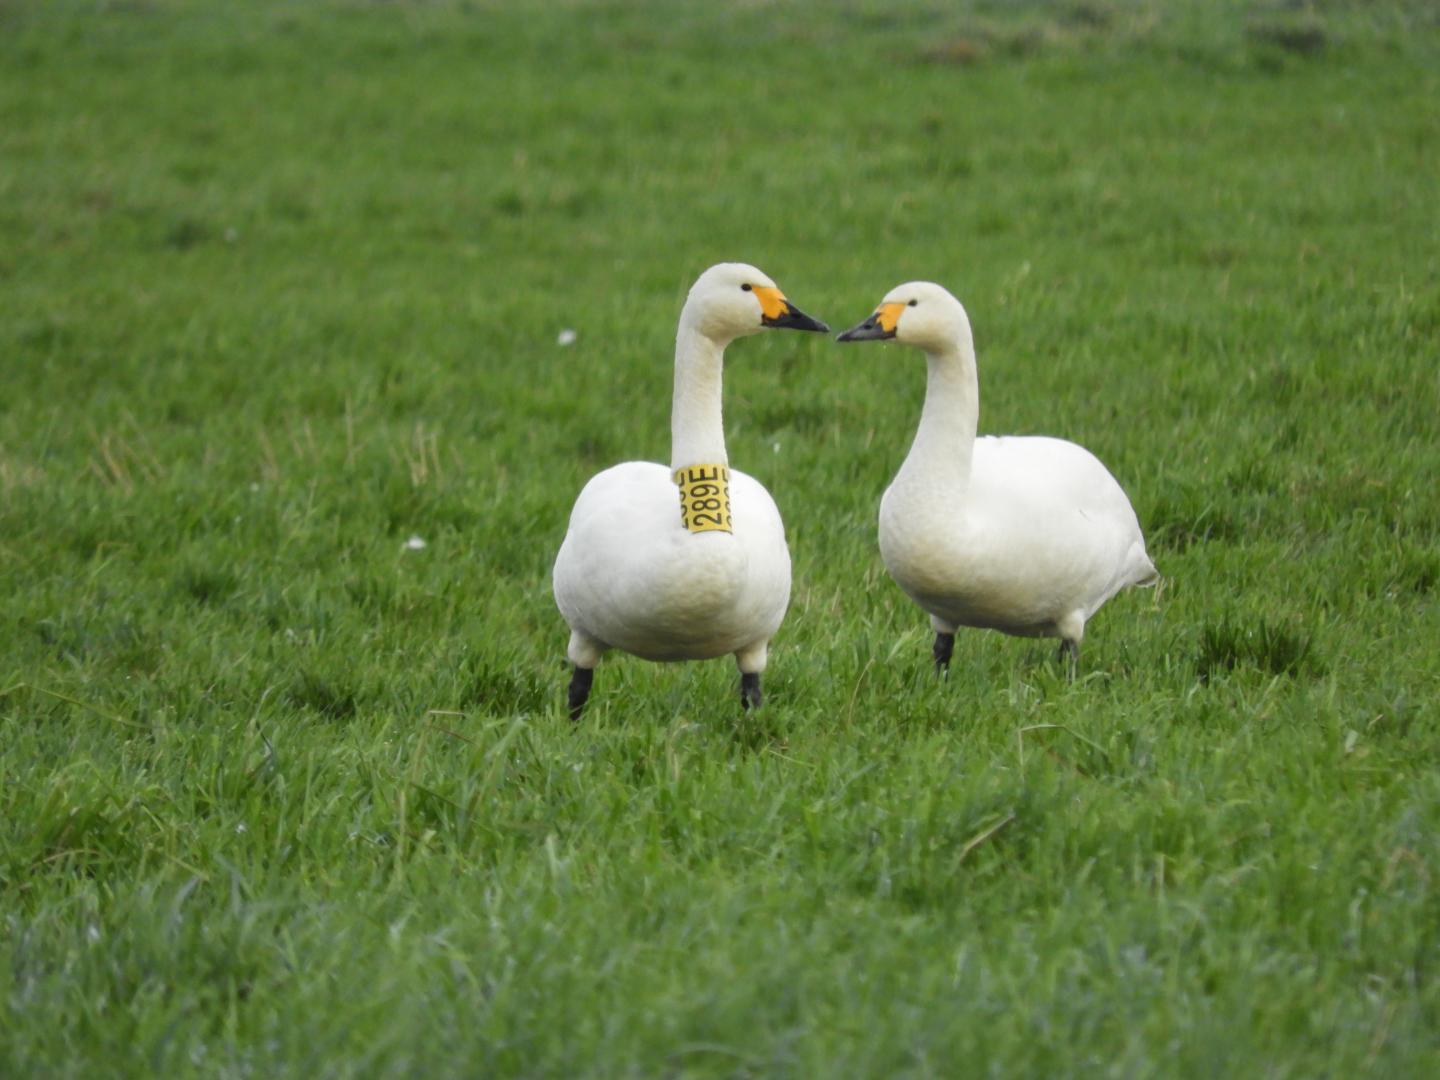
878	327
780	314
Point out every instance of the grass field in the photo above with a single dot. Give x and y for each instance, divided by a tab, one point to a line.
283	795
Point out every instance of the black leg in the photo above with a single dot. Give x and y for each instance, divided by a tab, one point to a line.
580	690
1070	657
944	646
750	696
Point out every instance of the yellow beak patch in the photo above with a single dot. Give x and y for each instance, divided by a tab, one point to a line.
887	315
772	301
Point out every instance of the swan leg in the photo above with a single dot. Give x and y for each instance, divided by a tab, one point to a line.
750	695
1069	656
751	662
579	690
944	643
1072	629
942	649
584	652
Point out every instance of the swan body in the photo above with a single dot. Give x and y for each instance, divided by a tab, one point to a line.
1028	535
630	575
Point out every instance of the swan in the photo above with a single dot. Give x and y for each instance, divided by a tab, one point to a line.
685	562
1025	535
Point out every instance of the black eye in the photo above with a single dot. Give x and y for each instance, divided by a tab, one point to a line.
745	287
914	302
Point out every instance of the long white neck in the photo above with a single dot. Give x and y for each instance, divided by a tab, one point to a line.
939	460
697	429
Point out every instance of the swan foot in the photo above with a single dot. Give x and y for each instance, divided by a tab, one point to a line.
1069	656
750	696
580	690
943	648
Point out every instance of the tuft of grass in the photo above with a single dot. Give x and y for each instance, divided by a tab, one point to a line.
207	585
331	697
1300	38
488	686
1259	643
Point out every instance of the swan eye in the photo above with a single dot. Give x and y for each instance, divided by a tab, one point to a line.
913	303
745	287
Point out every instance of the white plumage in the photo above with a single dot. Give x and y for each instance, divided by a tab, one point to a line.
1026	535
629	575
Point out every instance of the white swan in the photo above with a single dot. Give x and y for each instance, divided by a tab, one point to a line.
655	562
1026	535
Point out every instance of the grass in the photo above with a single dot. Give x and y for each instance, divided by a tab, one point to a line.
280	794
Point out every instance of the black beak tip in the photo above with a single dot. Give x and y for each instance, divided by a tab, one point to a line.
869	330
795	319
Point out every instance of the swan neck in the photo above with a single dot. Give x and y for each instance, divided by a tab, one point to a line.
945	441
697	430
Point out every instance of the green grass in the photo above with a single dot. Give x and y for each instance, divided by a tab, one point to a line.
280	286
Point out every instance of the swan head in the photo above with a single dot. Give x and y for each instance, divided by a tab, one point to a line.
918	313
732	300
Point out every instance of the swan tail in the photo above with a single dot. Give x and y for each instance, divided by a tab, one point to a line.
1142	570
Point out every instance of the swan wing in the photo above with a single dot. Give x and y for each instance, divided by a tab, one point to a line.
1055	505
